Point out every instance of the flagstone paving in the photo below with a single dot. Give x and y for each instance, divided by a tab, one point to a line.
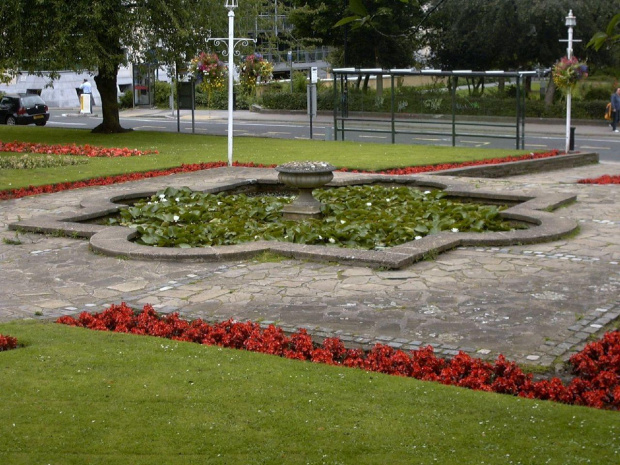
535	304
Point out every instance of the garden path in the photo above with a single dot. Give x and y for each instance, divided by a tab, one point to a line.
535	304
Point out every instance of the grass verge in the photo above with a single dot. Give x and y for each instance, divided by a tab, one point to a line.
176	149
75	396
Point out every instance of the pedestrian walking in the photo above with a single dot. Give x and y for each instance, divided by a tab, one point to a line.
87	89
615	110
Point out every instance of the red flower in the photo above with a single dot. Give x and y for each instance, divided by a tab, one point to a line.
7	343
605	179
597	366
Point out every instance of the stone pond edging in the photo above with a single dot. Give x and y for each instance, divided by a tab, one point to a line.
531	207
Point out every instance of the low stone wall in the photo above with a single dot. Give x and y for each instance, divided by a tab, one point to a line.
516	168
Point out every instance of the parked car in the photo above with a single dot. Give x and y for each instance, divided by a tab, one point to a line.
23	109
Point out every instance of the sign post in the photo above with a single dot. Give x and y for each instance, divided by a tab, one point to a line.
312	99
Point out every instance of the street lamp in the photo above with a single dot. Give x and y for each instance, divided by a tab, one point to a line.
571	22
231	42
289	58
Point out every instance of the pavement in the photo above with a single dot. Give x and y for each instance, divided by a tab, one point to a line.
536	304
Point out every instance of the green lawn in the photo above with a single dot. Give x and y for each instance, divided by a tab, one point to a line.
175	149
74	396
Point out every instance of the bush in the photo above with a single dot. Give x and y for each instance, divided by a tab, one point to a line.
162	94
597	93
219	100
434	102
284	101
126	100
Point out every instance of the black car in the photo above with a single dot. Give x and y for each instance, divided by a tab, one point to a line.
23	109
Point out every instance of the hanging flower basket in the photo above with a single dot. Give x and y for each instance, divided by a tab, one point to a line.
209	72
255	68
569	71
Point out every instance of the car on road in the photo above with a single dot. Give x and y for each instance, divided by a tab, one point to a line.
23	109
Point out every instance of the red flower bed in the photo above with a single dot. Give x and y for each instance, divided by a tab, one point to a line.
605	179
50	188
448	166
108	180
78	150
596	368
7	343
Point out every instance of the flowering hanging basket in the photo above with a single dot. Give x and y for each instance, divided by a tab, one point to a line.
209	71
569	71
254	67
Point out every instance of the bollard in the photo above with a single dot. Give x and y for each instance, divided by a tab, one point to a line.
571	140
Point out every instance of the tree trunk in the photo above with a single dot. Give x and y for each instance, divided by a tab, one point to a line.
550	94
366	79
106	84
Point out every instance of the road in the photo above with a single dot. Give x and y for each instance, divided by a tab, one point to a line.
538	136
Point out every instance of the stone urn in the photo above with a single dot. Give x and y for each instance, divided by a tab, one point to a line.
305	176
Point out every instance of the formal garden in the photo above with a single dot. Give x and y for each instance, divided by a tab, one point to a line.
246	393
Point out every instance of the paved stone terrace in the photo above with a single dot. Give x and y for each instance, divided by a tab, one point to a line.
535	304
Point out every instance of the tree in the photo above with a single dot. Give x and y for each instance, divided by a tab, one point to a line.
101	35
608	37
379	38
510	34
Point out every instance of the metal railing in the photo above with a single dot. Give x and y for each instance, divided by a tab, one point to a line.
448	125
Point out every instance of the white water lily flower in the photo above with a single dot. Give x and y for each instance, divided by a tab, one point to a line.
177	199
332	240
369	204
427	192
320	237
162	196
455	229
343	222
176	218
417	238
219	203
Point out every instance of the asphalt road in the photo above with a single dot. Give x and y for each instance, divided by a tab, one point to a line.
538	137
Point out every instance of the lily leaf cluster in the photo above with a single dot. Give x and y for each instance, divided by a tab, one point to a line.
366	217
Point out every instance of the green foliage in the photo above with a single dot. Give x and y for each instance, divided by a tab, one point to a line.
162	94
284	101
126	100
598	93
387	35
410	100
366	217
300	82
609	37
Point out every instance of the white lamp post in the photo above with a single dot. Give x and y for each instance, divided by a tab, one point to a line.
232	42
571	22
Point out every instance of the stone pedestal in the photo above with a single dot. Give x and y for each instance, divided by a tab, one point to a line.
305	176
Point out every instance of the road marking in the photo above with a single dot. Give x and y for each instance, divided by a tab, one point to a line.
535	145
477	143
373	137
427	140
273	133
150	127
593	148
66	124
